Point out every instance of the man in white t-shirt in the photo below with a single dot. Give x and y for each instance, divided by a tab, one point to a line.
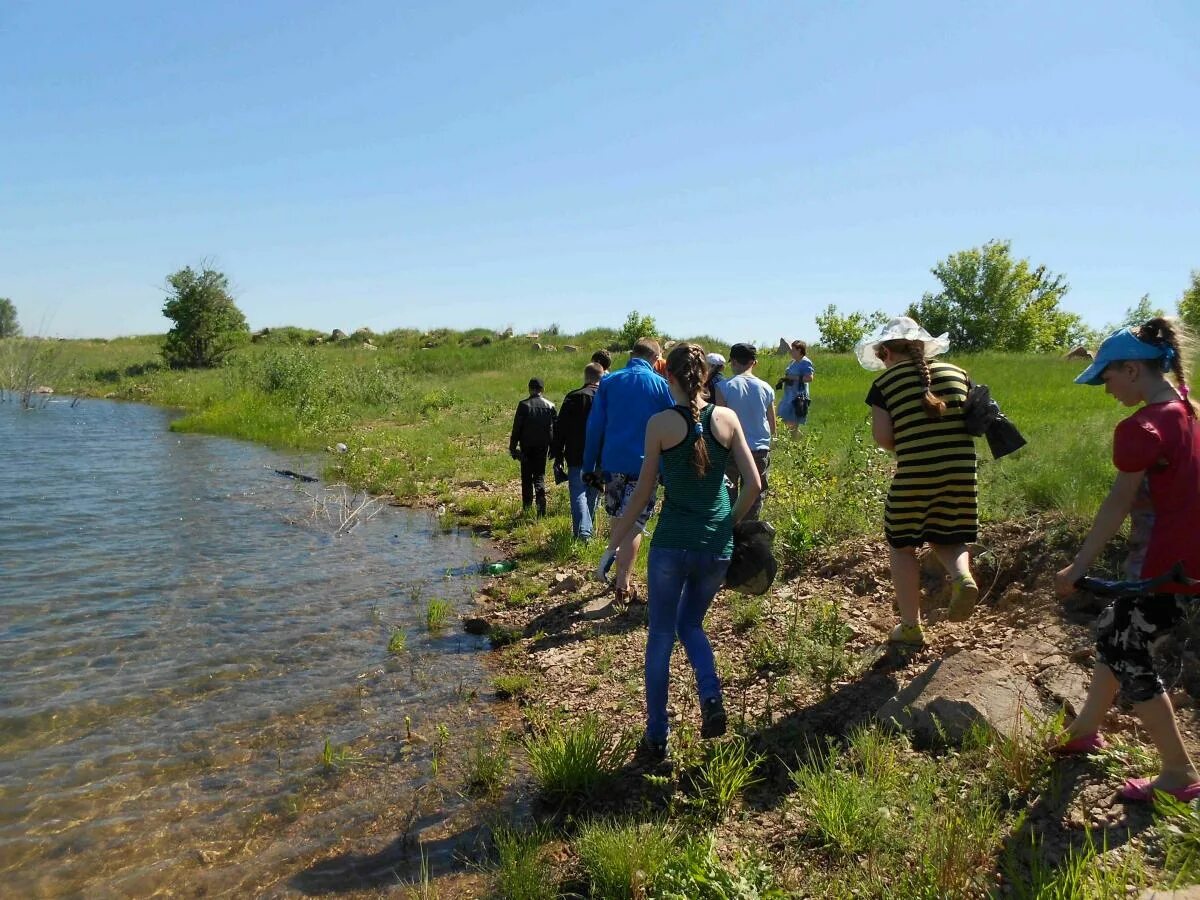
754	402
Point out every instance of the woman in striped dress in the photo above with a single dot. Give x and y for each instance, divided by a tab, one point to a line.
917	413
689	445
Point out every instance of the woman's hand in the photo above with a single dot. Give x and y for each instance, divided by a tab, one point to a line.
1064	579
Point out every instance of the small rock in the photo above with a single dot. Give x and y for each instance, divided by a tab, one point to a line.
1083	654
954	693
1014	596
476	625
599	608
564	584
340	447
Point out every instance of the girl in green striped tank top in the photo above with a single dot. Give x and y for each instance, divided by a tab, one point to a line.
689	553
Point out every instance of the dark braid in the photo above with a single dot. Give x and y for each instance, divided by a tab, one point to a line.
688	365
1164	333
934	405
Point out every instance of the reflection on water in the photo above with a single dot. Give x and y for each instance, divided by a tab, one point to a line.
178	636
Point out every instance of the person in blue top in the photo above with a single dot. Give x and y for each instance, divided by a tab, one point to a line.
793	408
690	445
753	401
616	435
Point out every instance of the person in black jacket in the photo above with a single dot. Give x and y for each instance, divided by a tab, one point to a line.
570	434
532	434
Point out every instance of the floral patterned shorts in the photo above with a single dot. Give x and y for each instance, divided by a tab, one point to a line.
618	490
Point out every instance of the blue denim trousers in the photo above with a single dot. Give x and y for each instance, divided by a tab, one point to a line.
682	586
583	503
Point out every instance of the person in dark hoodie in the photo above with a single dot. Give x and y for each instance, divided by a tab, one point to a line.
570	435
529	443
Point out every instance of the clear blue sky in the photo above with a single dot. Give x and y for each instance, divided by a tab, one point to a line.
729	168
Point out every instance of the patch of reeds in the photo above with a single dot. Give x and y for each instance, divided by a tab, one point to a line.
728	769
438	612
511	685
573	762
524	868
623	860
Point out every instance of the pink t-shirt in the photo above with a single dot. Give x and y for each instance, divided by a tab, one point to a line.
1163	440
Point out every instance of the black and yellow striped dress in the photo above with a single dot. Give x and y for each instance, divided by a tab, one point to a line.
934	496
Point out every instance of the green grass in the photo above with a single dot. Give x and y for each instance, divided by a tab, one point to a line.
512	685
726	772
337	758
438	613
398	642
573	763
419	421
623	860
487	765
524	869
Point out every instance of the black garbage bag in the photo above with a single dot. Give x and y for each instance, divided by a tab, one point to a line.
982	416
1003	438
752	568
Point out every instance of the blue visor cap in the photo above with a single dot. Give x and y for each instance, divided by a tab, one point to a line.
1122	344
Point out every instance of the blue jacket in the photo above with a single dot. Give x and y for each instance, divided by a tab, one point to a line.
616	426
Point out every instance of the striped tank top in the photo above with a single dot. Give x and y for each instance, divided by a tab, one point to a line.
696	514
933	497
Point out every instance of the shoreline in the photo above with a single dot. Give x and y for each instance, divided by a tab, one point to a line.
801	664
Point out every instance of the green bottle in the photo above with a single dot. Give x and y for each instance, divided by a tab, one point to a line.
499	568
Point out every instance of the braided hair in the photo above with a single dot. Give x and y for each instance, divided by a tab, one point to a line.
934	405
1165	333
688	365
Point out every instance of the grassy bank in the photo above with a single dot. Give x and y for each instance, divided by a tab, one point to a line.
424	413
807	798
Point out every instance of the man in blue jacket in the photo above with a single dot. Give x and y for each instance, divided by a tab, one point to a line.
616	440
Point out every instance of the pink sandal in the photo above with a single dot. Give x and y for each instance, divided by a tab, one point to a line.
1142	790
1085	743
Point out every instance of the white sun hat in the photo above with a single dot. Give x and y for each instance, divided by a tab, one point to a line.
901	328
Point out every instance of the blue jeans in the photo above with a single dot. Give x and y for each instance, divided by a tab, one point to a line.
682	586
583	503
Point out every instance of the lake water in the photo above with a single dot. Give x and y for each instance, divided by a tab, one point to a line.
180	631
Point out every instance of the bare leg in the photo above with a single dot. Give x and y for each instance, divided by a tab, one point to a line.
1158	716
1101	693
626	556
954	558
906	578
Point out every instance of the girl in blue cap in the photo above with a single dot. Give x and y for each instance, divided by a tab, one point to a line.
1157	454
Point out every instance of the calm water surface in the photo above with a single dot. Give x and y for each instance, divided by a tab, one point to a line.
180	630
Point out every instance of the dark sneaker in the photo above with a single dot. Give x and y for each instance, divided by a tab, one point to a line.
651	753
712	718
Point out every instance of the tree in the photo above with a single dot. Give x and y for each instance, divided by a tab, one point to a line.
207	322
1189	303
635	328
990	301
9	326
840	333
